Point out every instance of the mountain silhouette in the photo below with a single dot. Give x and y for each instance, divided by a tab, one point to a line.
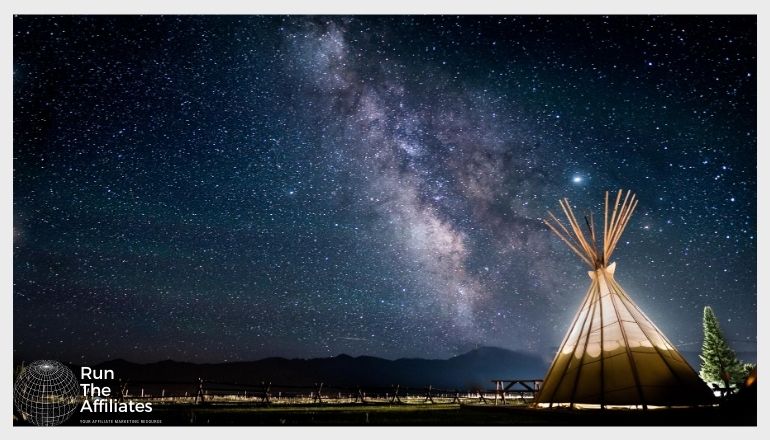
473	370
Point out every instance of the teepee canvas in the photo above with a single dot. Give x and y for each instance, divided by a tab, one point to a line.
613	355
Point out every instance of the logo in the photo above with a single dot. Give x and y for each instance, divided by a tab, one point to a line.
46	393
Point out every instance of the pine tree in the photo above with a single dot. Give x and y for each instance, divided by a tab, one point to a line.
718	360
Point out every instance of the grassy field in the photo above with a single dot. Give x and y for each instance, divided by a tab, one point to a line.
378	414
412	411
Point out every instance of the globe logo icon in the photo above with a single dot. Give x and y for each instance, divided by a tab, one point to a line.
46	393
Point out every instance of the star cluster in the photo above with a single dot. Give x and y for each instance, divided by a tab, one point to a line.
229	188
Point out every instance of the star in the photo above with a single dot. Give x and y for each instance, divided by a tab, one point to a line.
238	187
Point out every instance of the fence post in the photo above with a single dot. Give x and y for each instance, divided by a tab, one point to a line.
317	396
199	393
266	392
123	389
359	395
395	397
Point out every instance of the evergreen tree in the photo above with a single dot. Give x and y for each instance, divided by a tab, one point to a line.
718	360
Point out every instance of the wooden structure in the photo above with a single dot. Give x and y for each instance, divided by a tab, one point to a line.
360	396
429	394
204	391
264	392
613	354
199	395
508	386
123	390
317	392
395	398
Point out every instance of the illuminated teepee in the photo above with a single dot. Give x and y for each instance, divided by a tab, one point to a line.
613	354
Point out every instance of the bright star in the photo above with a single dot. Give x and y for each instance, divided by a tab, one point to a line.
577	179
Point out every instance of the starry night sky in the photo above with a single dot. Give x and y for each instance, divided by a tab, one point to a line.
235	187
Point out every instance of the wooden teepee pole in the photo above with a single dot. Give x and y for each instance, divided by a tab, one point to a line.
622	222
604	237
592	307
590	295
612	220
592	230
614	226
585	245
625	223
601	347
571	246
620	214
631	359
587	297
576	227
669	346
631	307
567	233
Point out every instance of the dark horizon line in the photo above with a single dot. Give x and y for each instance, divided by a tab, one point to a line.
18	361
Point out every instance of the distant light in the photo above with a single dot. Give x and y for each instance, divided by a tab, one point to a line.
577	179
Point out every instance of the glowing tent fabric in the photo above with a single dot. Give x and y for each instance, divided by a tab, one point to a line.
613	354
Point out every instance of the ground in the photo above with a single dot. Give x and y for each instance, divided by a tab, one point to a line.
417	414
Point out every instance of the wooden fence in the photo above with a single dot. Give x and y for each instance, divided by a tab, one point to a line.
506	391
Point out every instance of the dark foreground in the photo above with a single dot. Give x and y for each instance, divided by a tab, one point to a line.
462	415
416	415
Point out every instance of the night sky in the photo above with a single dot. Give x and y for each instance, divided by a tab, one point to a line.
236	187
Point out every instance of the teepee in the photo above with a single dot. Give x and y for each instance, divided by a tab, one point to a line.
613	355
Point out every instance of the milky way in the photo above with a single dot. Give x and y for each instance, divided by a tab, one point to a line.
231	188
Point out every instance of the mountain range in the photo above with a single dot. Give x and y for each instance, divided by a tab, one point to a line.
473	370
